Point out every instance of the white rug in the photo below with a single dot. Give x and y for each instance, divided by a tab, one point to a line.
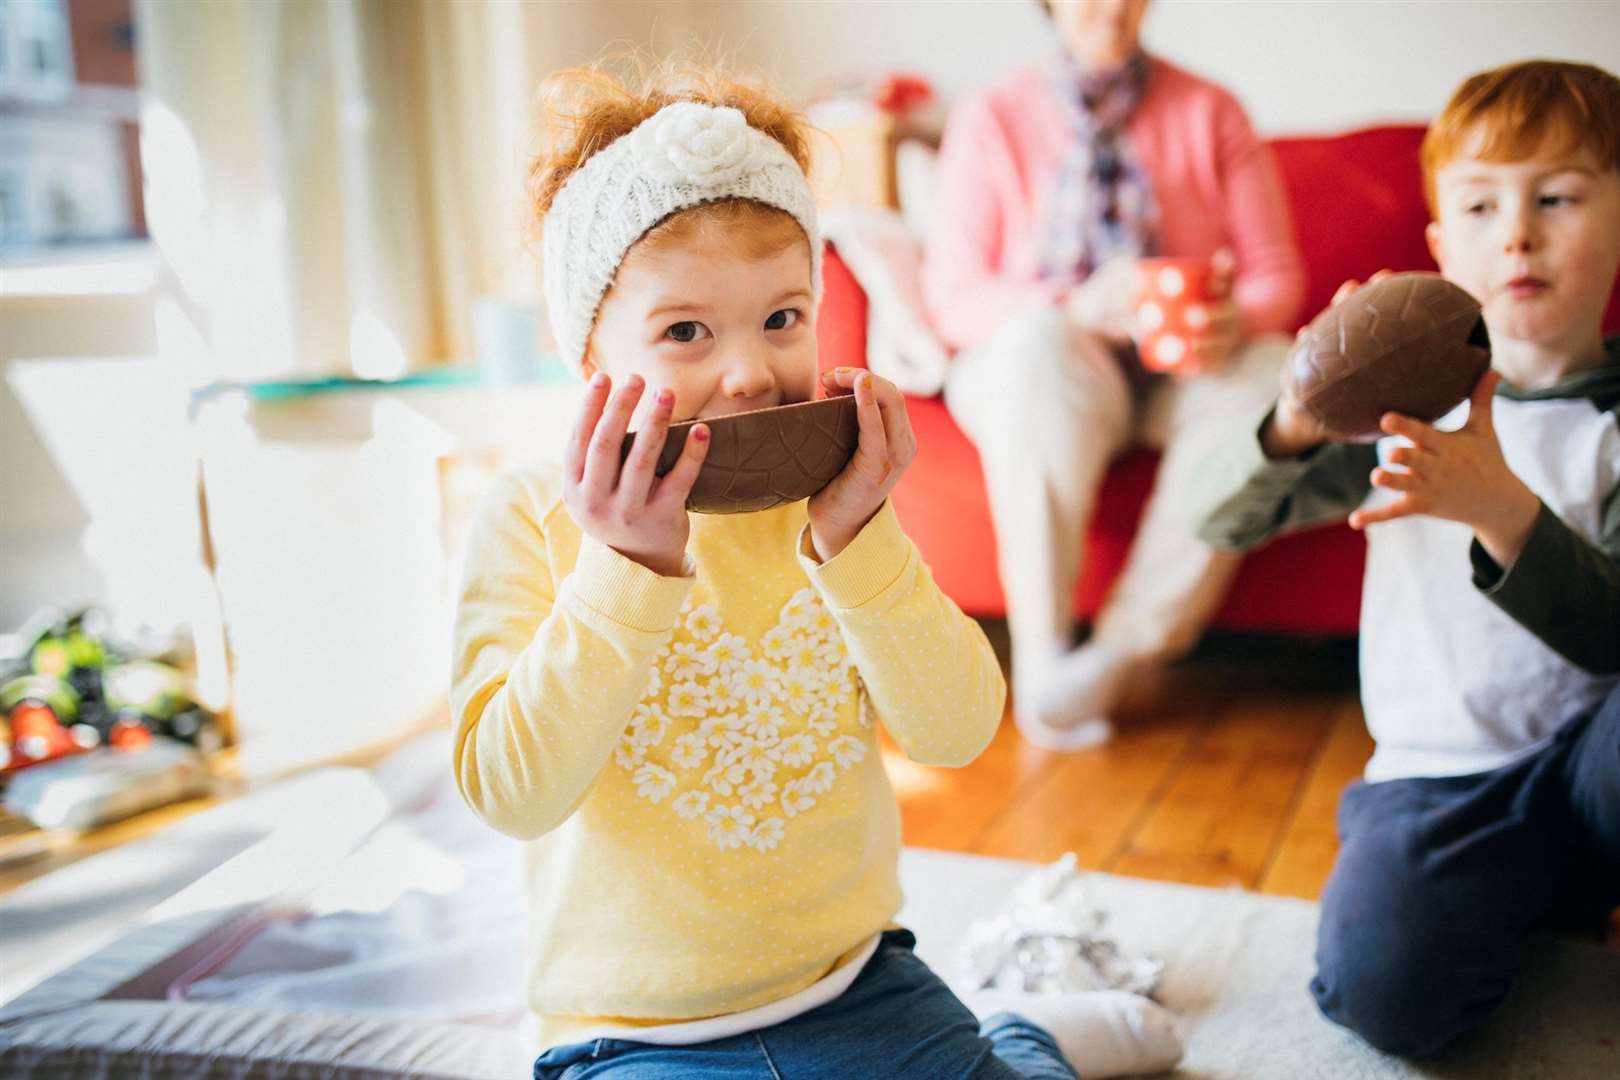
1236	968
346	993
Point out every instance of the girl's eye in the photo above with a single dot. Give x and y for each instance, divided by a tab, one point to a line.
1557	200
1475	208
686	331
781	320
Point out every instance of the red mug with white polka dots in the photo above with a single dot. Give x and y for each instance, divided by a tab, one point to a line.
1173	301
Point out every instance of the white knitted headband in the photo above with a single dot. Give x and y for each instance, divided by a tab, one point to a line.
683	155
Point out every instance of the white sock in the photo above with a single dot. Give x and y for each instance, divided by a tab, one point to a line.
1086	733
1065	702
1031	677
1103	1033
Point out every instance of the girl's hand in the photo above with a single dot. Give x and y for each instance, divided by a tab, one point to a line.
887	445
633	511
1460	476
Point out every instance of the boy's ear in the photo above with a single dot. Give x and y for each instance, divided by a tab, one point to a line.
1437	247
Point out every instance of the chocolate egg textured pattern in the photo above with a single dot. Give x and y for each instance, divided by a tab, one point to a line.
768	457
1410	343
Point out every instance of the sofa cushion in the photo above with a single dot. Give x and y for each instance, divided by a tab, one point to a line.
1357	205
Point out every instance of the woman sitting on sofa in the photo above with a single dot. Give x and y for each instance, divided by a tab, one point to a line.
1051	186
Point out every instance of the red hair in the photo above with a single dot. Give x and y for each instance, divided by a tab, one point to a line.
1523	111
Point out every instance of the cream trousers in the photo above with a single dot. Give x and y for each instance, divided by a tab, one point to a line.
1048	408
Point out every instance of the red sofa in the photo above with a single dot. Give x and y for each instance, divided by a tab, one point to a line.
1357	205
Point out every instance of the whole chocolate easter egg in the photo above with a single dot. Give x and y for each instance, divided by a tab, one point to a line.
1409	343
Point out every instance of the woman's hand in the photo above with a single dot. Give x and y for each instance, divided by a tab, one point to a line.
1105	303
841	509
1460	476
1210	348
630	509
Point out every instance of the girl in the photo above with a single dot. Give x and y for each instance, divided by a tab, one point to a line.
678	713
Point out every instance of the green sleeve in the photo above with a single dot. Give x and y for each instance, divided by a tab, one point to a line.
1246	498
1562	588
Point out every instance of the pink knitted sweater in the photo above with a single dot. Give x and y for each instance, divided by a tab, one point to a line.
1214	180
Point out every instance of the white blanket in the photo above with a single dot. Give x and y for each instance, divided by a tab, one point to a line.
886	260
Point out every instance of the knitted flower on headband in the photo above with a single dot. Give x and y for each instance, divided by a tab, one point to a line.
695	144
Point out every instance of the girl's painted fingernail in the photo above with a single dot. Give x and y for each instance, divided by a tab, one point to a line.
701	434
666	397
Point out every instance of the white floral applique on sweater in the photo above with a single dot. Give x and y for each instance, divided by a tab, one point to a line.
741	738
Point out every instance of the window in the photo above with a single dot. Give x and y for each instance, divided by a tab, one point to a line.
68	135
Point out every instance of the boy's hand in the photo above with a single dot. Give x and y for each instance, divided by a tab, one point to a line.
887	445
1460	476
1292	431
1342	293
633	511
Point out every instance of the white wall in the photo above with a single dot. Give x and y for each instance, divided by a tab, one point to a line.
1298	65
42	521
1386	60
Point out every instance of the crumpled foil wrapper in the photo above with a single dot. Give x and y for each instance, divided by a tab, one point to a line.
1048	939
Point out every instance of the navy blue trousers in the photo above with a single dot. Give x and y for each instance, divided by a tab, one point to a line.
1441	883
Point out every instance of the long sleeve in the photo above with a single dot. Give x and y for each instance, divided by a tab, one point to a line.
546	675
1563	589
966	291
928	668
1270	284
1248	498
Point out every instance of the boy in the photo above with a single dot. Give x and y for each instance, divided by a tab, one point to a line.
1490	628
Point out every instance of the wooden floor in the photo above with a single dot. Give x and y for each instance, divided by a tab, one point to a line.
1224	770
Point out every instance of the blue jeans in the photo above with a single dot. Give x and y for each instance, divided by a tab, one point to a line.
1441	882
897	1019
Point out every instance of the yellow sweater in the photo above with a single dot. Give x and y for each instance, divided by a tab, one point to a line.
692	759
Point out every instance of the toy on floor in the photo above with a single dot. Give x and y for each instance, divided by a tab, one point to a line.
104	785
1409	343
765	457
75	689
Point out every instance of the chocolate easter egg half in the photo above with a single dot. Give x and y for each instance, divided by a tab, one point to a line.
767	457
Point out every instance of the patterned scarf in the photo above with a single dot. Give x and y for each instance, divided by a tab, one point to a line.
1101	203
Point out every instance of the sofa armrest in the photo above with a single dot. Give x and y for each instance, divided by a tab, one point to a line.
841	322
